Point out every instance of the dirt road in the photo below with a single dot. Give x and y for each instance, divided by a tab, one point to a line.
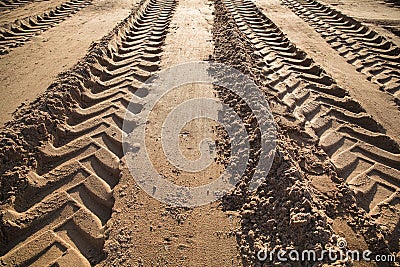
71	80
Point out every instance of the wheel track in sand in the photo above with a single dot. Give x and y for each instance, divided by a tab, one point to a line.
371	53
10	4
72	186
22	30
368	159
392	3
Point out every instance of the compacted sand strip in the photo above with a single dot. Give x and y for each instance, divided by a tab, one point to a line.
25	73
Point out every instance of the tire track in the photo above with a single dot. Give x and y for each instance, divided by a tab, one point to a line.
60	217
371	53
392	3
393	29
22	30
357	145
10	4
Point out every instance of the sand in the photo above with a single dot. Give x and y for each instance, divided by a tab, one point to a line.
328	69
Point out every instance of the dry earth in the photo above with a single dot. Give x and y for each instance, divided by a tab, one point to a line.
329	70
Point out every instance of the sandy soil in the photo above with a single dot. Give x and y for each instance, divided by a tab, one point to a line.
28	10
25	73
328	69
379	15
376	103
200	236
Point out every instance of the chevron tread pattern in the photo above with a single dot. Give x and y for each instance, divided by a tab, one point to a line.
371	53
22	30
357	145
72	186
